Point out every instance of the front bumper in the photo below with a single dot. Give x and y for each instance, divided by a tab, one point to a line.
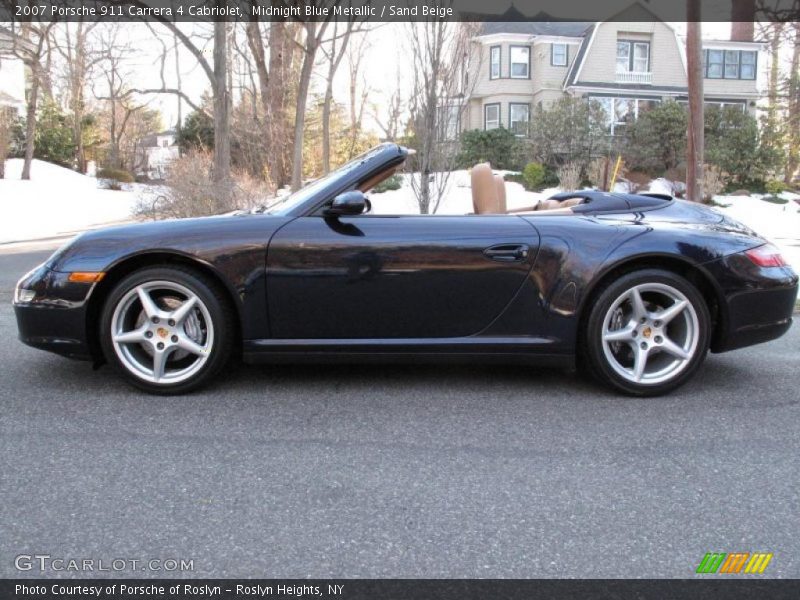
758	302
55	319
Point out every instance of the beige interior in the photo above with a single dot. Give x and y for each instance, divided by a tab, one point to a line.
485	200
500	189
489	195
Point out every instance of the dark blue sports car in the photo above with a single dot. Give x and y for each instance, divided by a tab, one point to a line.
635	288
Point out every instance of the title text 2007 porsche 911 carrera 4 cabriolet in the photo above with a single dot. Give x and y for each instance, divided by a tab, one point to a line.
635	288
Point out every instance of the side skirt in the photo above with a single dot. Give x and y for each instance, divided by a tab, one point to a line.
512	351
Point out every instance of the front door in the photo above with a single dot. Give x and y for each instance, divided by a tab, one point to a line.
403	277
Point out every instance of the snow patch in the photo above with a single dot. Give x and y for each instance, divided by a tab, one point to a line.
57	201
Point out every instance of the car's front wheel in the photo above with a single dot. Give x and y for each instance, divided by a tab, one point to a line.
647	333
168	330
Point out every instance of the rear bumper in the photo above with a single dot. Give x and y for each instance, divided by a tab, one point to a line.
55	320
758	303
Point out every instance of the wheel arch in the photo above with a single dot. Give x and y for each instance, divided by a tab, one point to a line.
127	265
705	283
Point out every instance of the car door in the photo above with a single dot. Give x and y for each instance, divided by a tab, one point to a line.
375	276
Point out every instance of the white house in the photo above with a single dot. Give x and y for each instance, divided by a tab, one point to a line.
155	152
12	73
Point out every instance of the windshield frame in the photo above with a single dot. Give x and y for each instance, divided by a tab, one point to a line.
308	199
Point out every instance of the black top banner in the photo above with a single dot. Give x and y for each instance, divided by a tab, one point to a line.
396	10
399	589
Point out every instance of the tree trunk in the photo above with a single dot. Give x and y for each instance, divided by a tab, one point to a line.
326	128
222	124
275	101
695	130
793	159
30	124
302	98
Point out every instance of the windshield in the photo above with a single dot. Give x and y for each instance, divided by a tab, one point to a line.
284	205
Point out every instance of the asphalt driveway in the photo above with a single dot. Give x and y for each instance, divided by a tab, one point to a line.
397	471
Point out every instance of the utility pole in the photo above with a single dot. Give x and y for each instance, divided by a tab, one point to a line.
695	131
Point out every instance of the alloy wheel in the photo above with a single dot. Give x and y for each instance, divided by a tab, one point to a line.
162	332
650	333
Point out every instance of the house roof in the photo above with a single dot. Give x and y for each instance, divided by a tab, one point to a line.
537	27
573	70
151	141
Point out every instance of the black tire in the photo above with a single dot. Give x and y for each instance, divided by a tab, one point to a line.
209	299
605	359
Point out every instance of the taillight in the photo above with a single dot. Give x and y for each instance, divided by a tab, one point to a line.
766	256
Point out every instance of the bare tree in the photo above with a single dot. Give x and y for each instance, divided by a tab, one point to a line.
438	52
5	139
32	46
115	92
793	120
274	74
76	47
217	74
358	97
390	121
334	52
313	37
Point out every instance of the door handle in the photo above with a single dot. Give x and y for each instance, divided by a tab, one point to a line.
507	252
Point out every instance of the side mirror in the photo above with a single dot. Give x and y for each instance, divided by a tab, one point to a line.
348	203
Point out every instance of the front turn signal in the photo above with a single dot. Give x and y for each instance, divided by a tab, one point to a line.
85	277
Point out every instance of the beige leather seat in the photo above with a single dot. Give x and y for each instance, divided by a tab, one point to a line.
500	187
485	197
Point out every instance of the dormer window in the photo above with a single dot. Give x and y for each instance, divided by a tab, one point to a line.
520	62
633	57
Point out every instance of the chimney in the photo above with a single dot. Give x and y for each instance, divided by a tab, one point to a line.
742	31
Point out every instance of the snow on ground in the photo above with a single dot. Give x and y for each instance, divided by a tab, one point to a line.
779	223
57	201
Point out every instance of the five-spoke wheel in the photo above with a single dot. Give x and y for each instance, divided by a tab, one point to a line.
167	329
647	332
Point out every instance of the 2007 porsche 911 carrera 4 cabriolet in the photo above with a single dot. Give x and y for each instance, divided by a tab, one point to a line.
635	288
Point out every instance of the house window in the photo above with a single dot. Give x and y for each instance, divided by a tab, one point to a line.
747	65
449	121
519	118
730	64
558	55
520	62
723	104
491	116
621	111
495	54
633	57
715	62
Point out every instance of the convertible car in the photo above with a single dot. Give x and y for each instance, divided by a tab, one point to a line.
634	288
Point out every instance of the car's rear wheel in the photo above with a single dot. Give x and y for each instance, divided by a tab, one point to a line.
647	333
168	330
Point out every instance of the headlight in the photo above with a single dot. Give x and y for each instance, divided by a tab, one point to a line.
23	296
22	291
